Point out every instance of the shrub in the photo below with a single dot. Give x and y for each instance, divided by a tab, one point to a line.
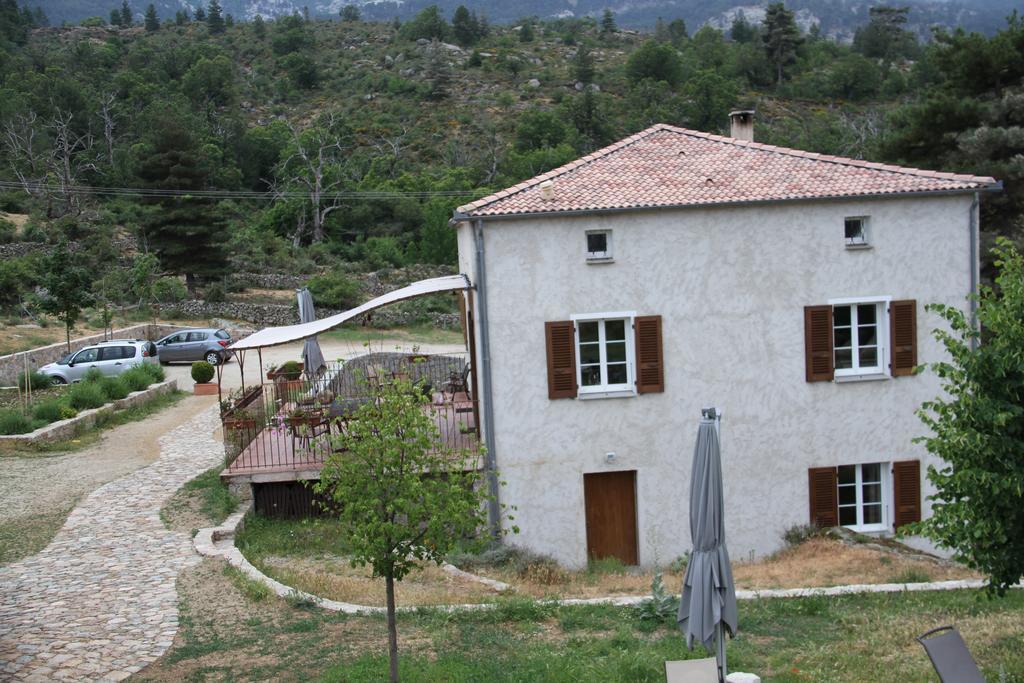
91	376
86	395
48	411
912	575
290	370
7	231
335	290
13	422
216	293
662	606
137	378
168	290
36	380
202	372
67	412
799	533
155	372
114	388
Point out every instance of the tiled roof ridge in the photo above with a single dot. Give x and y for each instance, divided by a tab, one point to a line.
660	127
563	169
829	158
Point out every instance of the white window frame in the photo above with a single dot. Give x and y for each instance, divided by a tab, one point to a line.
605	256
605	390
881	320
865	240
885	483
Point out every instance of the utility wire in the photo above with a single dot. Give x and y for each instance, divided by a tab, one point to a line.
227	194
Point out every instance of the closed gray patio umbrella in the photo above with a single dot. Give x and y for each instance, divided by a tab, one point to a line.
708	604
312	356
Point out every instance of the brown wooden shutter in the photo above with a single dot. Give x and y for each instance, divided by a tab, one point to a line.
561	343
824	495
903	337
906	489
818	343
650	370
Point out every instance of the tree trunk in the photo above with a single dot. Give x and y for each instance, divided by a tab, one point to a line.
389	581
67	335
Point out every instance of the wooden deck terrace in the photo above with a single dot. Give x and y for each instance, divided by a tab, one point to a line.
282	453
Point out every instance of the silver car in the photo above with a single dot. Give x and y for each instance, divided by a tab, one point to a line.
110	357
207	344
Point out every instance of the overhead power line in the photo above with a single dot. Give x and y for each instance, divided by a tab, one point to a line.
227	194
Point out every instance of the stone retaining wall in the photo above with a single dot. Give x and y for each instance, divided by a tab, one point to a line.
62	430
272	315
12	364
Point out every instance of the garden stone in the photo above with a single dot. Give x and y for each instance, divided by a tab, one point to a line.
533	83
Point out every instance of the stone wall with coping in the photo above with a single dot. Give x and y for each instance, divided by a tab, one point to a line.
12	364
62	430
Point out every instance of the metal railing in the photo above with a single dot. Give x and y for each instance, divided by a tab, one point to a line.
295	424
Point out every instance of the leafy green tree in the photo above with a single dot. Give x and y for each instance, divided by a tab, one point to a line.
742	31
152	21
978	430
854	77
884	36
210	82
710	96
526	32
350	13
538	129
608	26
437	73
68	288
259	27
290	35
181	17
465	27
655	61
429	24
215	18
302	70
397	516
126	14
590	117
677	32
583	64
185	231
335	290
780	37
115	17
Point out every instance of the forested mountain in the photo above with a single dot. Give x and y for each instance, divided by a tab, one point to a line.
294	144
838	18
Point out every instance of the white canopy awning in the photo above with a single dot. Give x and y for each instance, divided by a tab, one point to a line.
272	336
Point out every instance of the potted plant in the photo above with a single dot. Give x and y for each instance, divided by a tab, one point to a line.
286	380
202	373
241	419
290	370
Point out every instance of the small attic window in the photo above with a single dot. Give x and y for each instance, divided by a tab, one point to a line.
599	246
856	232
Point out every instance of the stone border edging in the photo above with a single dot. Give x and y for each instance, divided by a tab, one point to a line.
65	429
206	543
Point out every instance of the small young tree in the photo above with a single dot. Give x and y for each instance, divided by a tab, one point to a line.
214	18
152	20
350	13
200	13
608	26
259	27
403	497
67	288
126	14
978	430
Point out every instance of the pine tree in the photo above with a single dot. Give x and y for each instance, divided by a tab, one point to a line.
350	14
185	233
608	26
780	37
464	26
126	14
583	64
152	20
214	18
526	32
259	27
115	17
200	13
437	73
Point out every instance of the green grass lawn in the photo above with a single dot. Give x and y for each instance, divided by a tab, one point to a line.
231	632
422	334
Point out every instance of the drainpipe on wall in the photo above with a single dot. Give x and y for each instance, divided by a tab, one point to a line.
490	461
975	266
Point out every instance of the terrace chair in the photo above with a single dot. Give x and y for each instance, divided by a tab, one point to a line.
950	657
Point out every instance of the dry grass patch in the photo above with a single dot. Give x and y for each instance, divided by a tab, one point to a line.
336	579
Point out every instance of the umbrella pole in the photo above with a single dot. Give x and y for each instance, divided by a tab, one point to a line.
720	637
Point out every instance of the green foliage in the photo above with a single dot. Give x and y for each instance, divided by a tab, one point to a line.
33	379
335	290
13	422
217	502
655	61
350	13
114	388
152	21
290	36
210	82
8	231
781	37
608	26
884	36
85	395
68	287
911	575
136	379
202	372
396	514
661	607
429	24
215	18
466	27
978	430
155	372
538	129
168	290
583	65
48	411
799	534
289	370
301	69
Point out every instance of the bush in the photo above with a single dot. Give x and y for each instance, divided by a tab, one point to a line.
202	372
48	411
169	290
137	378
91	376
216	293
155	372
67	412
800	533
114	388
8	231
13	422
86	395
290	370
335	290
36	380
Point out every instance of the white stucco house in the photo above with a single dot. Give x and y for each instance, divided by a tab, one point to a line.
616	296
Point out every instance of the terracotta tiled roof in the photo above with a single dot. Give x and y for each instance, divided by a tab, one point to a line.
669	166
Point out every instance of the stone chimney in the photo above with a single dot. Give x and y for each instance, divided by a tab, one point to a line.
741	124
547	190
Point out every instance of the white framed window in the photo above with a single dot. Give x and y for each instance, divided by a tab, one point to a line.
599	246
862	496
604	354
856	232
860	329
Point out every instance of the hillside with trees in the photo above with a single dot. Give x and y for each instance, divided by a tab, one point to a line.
213	146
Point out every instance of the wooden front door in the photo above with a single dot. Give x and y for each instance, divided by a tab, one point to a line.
610	500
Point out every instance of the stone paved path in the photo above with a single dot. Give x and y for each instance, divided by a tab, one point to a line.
99	603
